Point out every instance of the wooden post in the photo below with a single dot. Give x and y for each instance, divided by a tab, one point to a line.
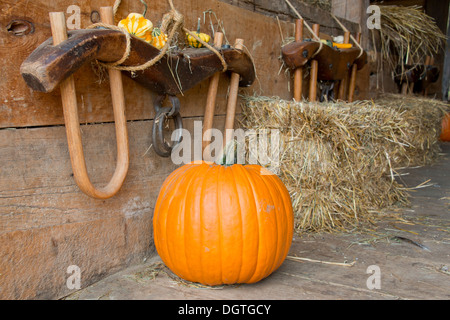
352	85
405	84
211	104
70	108
405	88
429	61
232	99
343	84
298	73
314	71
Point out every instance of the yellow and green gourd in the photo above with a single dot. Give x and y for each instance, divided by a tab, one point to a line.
158	38
193	42
137	25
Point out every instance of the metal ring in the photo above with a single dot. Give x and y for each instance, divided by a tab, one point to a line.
162	148
157	104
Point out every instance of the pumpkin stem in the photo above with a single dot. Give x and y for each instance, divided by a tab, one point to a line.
198	26
229	154
145	5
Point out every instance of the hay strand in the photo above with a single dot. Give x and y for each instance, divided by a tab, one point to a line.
408	36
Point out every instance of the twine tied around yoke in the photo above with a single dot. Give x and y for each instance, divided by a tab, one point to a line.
174	18
315	36
351	37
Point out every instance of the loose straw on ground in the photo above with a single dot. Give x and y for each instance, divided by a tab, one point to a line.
343	264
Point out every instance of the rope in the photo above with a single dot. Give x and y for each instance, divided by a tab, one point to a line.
116	6
222	60
173	17
315	36
351	37
128	39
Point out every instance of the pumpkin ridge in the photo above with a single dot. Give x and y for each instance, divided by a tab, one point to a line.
254	193
168	185
267	194
188	176
196	175
248	274
277	252
236	193
219	217
288	212
203	188
163	246
157	228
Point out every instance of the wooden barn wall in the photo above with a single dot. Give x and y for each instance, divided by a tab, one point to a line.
46	223
311	14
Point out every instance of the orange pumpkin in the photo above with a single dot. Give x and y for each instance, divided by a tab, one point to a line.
217	224
445	133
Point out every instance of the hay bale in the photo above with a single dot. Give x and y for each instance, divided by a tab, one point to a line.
408	34
423	119
338	159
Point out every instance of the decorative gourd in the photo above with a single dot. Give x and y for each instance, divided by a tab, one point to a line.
217	224
336	44
158	38
137	25
445	133
203	36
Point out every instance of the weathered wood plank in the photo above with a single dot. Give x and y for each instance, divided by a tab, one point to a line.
310	13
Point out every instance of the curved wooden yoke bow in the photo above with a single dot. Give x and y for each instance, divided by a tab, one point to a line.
69	102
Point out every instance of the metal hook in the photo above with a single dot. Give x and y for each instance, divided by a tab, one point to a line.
162	148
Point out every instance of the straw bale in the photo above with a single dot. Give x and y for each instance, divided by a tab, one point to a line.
339	160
